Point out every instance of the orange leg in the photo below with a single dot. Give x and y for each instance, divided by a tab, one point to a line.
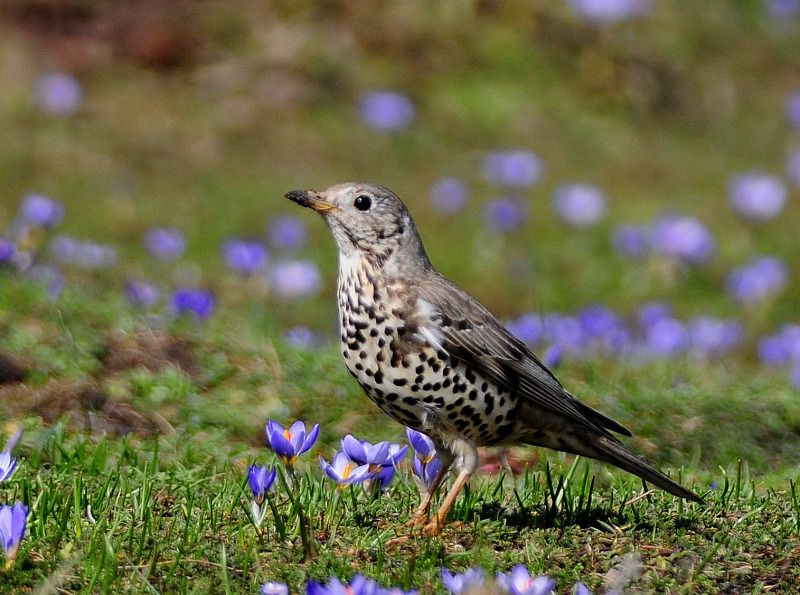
435	526
421	514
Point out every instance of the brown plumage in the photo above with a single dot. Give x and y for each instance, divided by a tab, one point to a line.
436	360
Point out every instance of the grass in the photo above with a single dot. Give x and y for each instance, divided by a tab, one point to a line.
170	513
139	428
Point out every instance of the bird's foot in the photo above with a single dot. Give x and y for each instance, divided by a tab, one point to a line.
433	528
400	540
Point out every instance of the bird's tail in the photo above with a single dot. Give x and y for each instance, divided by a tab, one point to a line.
611	451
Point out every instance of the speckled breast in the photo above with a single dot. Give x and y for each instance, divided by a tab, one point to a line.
407	378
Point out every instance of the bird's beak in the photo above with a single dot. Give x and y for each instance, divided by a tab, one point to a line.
311	199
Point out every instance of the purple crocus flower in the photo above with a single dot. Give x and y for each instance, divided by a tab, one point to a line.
58	94
682	238
386	111
198	303
581	589
8	465
50	277
632	241
141	294
553	355
471	580
757	196
273	588
13	440
81	253
7	251
359	585
504	215
244	256
652	312
165	243
520	582
344	471
782	9
261	480
37	209
792	108
565	331
527	328
300	337
781	348
426	471
597	321
290	443
579	205
287	232
12	528
667	337
366	453
712	337
295	279
607	12
760	279
449	195
793	166
519	169
422	445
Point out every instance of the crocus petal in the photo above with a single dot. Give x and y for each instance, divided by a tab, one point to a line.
310	439
354	449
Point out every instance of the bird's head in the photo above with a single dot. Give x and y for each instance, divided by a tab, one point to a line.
366	220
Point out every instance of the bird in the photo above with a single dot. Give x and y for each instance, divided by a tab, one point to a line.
436	360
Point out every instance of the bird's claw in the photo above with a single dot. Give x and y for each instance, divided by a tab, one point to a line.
433	528
417	520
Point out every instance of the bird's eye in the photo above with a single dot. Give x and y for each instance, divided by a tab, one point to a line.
362	202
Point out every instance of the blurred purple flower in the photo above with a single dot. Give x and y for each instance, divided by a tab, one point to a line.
520	582
449	195
290	443
552	355
667	337
37	209
631	240
386	110
564	331
8	465
782	9
141	294
244	256
597	321
58	94
781	348
165	243
295	279
12	528
344	471
793	166
300	337
527	328
606	12
273	588
792	108
757	196
260	480
652	312
504	215
579	205
362	452
684	238
359	585
287	232
512	168
7	250
581	589
469	581
198	303
760	279
82	253
12	441
712	337
48	276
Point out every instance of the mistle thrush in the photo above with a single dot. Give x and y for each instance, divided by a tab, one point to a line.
436	360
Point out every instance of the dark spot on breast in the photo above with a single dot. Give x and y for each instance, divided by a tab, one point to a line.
400	381
435	367
359	366
473	394
446	371
427	386
452	415
467	410
362	354
373	332
392	397
428	399
470	375
419	369
419	379
501	402
409	400
489	400
379	377
442	355
446	383
414	388
498	419
461	425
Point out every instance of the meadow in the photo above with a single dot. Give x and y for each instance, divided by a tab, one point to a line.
617	181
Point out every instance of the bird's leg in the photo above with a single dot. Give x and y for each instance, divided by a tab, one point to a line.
435	526
421	514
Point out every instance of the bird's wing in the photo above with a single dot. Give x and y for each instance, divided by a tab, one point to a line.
470	333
